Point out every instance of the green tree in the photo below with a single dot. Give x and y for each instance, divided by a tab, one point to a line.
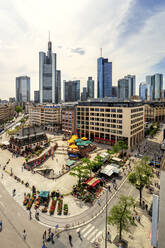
121	214
141	176
18	109
122	145
98	162
89	165
80	172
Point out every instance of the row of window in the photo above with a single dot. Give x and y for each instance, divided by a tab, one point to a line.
136	110
136	130
137	125
106	130
100	110
136	115
106	115
137	120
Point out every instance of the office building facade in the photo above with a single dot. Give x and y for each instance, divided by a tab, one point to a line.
107	122
48	77
71	91
23	89
84	95
123	89
143	91
36	96
90	87
154	86
126	87
104	78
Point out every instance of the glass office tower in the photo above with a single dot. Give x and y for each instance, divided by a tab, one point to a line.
104	78
154	86
48	77
143	91
90	87
71	91
123	88
23	89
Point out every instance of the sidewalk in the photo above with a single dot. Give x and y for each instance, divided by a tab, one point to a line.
81	218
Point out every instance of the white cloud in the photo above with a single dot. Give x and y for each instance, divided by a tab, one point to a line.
86	24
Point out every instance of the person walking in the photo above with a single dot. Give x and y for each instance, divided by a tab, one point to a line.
109	236
24	235
98	202
0	225
70	240
44	235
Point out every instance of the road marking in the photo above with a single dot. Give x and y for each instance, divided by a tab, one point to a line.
97	236
89	225
90	230
92	234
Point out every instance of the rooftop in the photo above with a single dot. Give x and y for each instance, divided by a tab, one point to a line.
29	131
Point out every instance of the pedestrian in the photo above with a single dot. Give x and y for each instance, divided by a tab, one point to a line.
44	235
0	225
98	202
70	239
138	218
109	237
52	237
14	192
109	188
43	245
146	206
24	235
79	234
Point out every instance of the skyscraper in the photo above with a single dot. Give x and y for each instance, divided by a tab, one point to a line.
84	94
143	91
71	91
123	88
104	78
155	86
90	87
58	96
23	89
126	87
48	76
36	96
131	85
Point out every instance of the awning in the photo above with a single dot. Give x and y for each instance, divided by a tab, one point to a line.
44	194
73	146
70	162
84	138
109	170
6	143
93	181
116	159
78	140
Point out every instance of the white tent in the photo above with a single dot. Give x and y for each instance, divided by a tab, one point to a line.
6	143
109	170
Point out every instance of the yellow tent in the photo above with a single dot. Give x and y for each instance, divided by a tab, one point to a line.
84	138
73	146
71	141
74	137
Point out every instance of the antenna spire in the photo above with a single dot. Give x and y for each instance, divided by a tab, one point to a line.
49	35
101	52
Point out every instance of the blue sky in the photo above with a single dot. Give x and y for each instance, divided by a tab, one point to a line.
130	32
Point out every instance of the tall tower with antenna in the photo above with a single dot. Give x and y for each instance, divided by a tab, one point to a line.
104	77
49	77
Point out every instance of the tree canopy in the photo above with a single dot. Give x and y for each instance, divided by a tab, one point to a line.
18	109
121	214
141	176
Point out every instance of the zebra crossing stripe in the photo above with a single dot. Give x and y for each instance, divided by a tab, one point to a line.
92	234
89	225
90	230
98	235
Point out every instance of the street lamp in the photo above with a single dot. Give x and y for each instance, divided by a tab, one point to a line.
106	217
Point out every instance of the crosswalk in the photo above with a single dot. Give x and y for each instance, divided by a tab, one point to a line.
91	233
